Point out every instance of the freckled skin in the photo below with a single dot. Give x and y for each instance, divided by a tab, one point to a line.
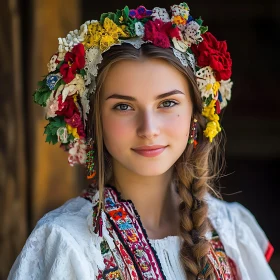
145	121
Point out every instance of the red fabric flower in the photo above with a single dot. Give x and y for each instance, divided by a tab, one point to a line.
213	53
76	121
74	60
71	114
81	131
67	108
159	33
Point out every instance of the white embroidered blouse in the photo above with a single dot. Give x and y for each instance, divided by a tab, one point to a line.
61	246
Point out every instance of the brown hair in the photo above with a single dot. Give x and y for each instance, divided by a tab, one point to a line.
194	170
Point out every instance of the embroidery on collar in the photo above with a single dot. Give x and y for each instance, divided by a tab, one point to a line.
133	256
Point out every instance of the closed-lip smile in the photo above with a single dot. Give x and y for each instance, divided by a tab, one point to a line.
149	148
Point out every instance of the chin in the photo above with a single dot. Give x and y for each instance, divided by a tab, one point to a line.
150	170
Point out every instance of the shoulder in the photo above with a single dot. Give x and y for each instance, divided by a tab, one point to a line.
72	212
242	237
235	215
59	244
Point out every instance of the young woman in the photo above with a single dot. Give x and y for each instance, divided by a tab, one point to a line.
136	97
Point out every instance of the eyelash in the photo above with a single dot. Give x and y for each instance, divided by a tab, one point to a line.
175	103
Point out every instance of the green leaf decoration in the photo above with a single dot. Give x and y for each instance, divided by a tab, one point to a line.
42	94
41	83
144	20
199	21
189	50
126	13
102	18
71	138
52	127
208	100
83	72
112	16
203	29
59	64
58	84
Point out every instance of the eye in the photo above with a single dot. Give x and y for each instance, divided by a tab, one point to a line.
167	103
121	107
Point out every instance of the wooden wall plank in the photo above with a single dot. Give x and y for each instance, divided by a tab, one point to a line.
13	214
53	180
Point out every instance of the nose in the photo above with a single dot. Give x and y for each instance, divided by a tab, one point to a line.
148	125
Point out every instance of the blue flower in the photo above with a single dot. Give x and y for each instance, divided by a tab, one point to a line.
190	18
52	80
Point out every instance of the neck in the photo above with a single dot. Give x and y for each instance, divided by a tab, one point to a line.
154	198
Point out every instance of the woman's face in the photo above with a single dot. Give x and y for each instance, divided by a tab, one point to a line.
145	103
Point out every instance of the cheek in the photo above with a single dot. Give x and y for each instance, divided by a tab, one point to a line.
115	131
179	125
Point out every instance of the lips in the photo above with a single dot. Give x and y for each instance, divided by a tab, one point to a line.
149	151
149	148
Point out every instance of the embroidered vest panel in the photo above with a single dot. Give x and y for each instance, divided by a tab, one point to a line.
133	257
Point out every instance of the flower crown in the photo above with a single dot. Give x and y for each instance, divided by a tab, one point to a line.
65	92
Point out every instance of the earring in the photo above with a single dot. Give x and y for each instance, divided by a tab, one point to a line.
193	133
91	172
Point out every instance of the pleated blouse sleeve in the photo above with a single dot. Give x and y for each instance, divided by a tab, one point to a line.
244	240
59	247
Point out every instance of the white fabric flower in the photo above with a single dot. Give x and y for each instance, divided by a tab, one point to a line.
207	83
52	63
181	56
77	85
139	29
225	91
72	39
180	10
93	58
85	106
51	107
180	45
191	33
160	13
62	134
77	153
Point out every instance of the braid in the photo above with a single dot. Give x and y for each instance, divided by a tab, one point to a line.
192	182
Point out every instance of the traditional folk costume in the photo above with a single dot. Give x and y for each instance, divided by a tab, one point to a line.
99	235
65	244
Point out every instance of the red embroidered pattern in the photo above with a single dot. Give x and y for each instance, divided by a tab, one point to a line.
133	257
227	268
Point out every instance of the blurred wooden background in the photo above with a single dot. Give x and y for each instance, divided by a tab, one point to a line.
35	177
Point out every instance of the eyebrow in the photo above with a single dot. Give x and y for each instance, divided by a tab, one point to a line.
130	98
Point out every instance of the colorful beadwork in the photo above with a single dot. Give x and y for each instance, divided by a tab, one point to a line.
193	133
91	172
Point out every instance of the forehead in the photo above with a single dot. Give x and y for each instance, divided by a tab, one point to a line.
143	78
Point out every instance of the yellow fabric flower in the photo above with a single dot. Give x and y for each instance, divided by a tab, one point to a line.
105	36
210	112
178	20
216	87
94	35
72	130
212	129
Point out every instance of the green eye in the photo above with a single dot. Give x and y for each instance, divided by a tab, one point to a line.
121	107
167	103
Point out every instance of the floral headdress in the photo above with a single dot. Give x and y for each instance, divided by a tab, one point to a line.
65	92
